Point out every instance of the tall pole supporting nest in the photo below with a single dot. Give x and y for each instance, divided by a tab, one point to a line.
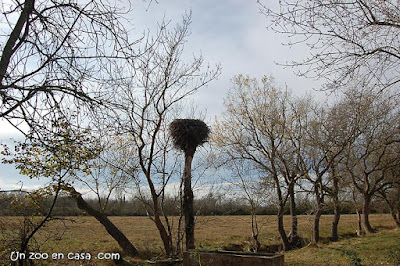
188	134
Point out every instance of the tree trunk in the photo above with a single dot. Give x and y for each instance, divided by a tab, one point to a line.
281	229
336	210
317	217
15	35
396	217
166	239
393	206
394	211
294	238
188	201
281	206
335	222
118	236
398	206
293	233
359	222
366	210
254	227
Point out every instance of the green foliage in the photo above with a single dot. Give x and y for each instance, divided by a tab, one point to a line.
66	152
59	157
381	248
354	259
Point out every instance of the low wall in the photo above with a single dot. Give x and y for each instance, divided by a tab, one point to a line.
227	258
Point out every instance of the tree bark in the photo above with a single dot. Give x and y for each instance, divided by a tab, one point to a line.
398	207
8	49
293	236
293	233
393	206
335	222
359	223
166	239
317	217
118	236
188	200
396	217
366	210
254	227
281	229
336	210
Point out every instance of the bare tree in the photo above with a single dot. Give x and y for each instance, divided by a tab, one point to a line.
252	190
391	195
374	153
255	128
143	107
328	133
112	171
58	54
345	38
187	135
293	157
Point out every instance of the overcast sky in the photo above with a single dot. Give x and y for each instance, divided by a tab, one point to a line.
231	33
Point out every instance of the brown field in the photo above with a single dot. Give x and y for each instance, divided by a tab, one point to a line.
85	234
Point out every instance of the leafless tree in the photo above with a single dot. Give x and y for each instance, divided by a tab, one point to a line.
112	171
374	153
255	128
391	195
328	133
293	157
252	190
143	108
188	135
345	39
58	54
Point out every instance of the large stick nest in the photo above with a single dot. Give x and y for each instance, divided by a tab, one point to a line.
188	133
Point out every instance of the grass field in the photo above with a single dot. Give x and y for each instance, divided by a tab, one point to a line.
86	235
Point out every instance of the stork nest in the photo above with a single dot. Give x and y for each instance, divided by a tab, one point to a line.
188	133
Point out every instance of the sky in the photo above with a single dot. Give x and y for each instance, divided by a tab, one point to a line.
231	33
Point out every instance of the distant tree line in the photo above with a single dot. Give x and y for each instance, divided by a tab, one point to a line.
208	205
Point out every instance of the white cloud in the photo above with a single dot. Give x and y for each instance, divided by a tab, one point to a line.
15	184
230	32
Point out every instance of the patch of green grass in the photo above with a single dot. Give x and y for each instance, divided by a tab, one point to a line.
382	248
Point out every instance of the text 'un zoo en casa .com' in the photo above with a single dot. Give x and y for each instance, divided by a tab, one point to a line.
15	256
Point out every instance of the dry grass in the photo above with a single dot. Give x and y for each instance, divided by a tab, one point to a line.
85	234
